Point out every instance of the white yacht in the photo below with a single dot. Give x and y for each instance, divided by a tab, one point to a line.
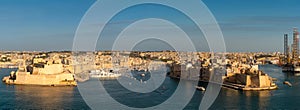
103	74
200	88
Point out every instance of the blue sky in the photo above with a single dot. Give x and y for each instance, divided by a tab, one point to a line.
45	25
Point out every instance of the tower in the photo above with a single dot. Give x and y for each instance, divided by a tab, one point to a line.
286	50
295	46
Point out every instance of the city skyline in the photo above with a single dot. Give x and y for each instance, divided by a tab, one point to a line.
50	25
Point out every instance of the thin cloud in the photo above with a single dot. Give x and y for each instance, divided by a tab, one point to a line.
260	23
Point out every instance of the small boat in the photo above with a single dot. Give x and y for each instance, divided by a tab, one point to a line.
287	83
274	79
143	74
5	78
200	88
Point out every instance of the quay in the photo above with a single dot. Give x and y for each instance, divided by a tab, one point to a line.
244	88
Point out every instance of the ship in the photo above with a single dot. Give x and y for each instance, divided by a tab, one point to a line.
291	68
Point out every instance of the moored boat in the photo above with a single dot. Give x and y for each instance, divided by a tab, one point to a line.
287	83
103	74
200	88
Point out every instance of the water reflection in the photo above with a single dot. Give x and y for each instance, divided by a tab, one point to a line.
259	99
37	97
236	99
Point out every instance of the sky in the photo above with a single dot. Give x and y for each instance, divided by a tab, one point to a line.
50	25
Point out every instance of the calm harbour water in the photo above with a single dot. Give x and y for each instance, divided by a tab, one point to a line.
37	97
